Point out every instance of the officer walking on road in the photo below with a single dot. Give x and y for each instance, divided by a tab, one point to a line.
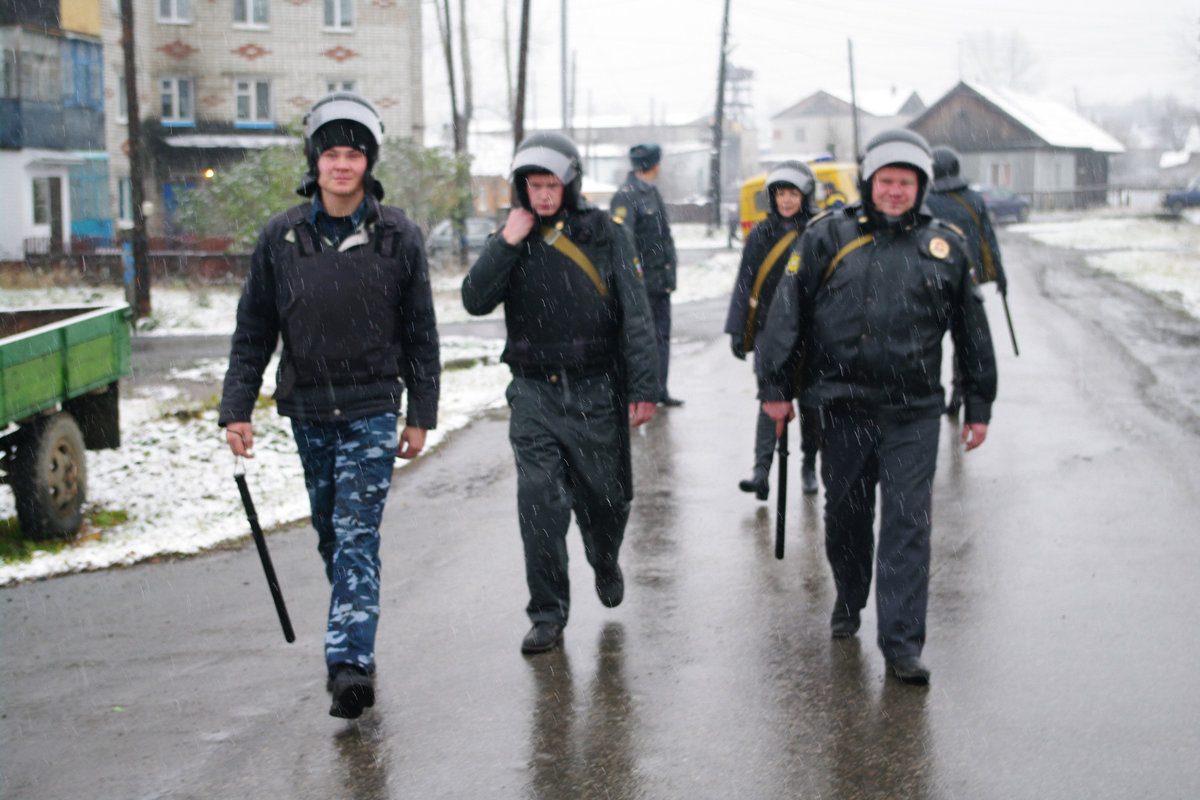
790	187
952	200
639	207
581	348
343	281
864	304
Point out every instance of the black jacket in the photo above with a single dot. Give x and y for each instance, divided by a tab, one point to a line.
557	316
638	206
870	332
968	211
761	240
357	322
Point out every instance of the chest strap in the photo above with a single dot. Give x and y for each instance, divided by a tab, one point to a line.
853	245
556	239
764	270
985	251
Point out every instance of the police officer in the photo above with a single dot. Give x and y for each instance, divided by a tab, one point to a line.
581	349
342	280
638	206
953	201
790	187
867	297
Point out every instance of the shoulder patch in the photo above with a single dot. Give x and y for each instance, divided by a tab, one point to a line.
619	220
939	247
793	264
620	213
954	228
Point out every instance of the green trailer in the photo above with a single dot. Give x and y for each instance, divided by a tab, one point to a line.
59	373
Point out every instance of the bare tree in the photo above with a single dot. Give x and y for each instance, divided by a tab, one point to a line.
1005	60
460	120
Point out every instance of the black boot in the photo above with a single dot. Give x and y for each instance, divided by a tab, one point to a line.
610	586
352	691
542	638
757	485
808	475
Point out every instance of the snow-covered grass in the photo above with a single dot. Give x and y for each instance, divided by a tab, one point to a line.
1159	256
173	474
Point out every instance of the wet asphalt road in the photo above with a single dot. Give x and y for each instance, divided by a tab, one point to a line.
1062	616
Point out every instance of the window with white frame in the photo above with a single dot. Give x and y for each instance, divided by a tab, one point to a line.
250	13
10	81
176	11
41	201
122	100
339	15
125	200
252	98
176	105
341	85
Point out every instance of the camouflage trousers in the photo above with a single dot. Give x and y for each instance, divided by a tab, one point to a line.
348	471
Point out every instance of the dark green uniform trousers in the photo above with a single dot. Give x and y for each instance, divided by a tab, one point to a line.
567	437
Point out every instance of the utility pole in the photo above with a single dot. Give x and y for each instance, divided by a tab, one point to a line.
563	55
141	259
853	100
522	59
718	128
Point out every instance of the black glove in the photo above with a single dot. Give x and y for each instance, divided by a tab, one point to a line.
735	345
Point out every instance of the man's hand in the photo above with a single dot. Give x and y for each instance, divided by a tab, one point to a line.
641	412
735	346
517	226
412	440
782	411
974	434
240	436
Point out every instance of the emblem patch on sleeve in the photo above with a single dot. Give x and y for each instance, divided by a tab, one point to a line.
621	212
939	247
793	264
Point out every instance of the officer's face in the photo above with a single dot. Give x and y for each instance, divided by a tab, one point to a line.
340	171
894	190
787	200
545	194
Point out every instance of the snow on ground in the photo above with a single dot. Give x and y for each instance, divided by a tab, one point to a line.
1160	257
173	473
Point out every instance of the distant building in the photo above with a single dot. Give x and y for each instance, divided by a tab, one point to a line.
824	123
1028	144
220	78
604	146
53	164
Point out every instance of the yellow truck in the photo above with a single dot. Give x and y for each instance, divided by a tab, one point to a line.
837	185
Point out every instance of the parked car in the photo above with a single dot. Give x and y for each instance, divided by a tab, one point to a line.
1004	205
1184	198
441	238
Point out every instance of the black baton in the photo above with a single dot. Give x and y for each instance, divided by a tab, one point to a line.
1008	318
260	542
781	500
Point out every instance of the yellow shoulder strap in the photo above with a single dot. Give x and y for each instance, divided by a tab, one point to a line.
764	270
854	244
562	244
985	251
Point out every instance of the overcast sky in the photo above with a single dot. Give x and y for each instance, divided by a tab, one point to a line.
656	59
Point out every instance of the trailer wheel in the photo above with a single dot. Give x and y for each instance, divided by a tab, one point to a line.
50	478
